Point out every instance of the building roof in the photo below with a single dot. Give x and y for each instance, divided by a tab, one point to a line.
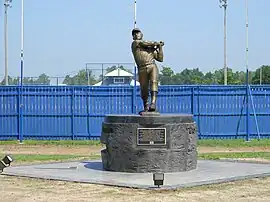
98	84
118	72
132	83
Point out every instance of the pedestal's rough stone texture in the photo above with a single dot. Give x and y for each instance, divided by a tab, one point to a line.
122	154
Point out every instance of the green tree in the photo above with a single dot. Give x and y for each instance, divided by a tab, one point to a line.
68	80
11	81
265	75
219	76
184	77
43	79
166	76
81	78
189	76
232	78
177	79
28	81
197	77
240	76
209	78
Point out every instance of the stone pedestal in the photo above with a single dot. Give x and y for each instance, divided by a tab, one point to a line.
149	143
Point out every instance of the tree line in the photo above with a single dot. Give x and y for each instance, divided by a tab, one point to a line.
41	79
195	76
167	77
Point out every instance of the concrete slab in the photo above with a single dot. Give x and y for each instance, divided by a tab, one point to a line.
207	172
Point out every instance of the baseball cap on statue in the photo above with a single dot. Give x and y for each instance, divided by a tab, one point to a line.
135	30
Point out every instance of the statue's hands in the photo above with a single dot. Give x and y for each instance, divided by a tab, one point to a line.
161	43
156	43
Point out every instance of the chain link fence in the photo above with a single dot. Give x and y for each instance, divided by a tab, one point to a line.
96	74
91	74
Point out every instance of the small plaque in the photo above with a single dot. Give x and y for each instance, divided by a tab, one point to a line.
151	136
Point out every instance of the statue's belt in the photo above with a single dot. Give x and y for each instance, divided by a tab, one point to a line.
147	64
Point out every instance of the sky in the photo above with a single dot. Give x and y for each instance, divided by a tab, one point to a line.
61	36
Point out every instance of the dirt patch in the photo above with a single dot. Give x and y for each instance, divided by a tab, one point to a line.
28	190
240	149
23	189
86	150
49	149
250	160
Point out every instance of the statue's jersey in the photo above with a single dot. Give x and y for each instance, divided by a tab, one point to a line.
143	55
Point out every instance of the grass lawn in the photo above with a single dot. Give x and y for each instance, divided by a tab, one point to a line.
53	142
24	158
211	143
234	143
33	152
231	143
234	155
50	157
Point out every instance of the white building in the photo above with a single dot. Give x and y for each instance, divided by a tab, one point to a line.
118	77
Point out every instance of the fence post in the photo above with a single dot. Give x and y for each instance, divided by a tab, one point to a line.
198	111
192	100
134	93
72	113
20	115
247	113
18	112
88	111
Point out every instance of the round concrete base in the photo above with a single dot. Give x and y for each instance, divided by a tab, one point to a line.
140	144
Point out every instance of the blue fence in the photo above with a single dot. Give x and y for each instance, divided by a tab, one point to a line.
77	112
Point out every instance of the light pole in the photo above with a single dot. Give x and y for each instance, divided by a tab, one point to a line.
7	5
22	39
224	4
135	13
247	71
21	82
135	26
247	78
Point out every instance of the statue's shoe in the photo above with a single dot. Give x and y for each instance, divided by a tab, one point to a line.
141	112
152	107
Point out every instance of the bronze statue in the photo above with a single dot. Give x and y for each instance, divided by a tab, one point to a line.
145	53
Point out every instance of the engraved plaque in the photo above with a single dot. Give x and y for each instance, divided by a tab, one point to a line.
151	136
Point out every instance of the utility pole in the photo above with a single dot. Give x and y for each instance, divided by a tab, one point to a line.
135	26
7	5
224	4
22	40
135	13
247	79
247	49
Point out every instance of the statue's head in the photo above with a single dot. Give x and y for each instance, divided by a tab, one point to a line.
137	34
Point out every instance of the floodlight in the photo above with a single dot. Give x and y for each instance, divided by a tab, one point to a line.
158	178
5	162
